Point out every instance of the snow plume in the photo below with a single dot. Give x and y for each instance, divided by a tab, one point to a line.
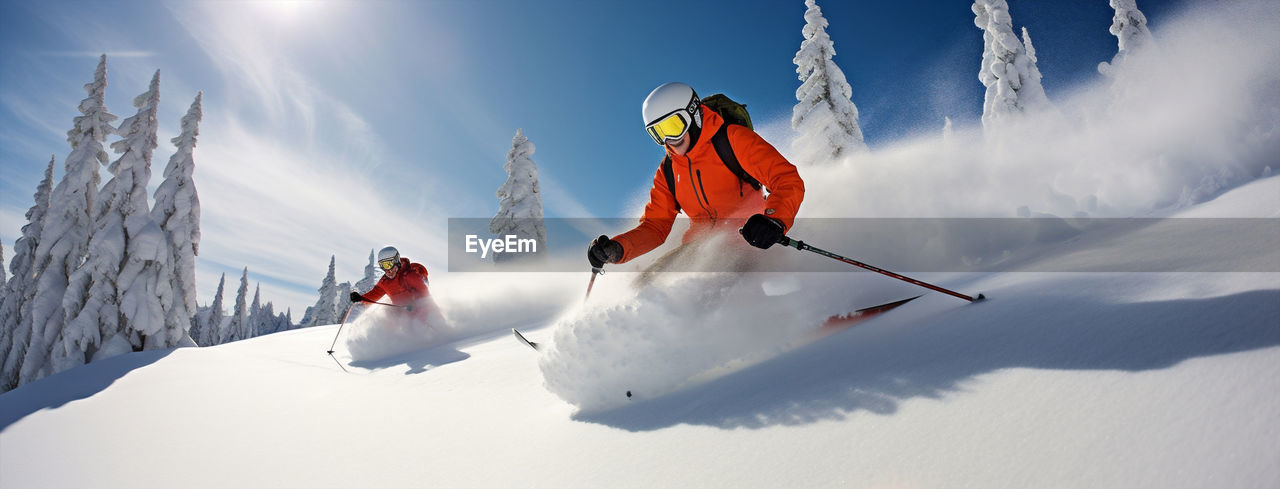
463	305
1008	65
1200	118
383	332
651	333
825	117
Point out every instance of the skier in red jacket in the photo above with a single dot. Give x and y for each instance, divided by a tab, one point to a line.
403	281
711	192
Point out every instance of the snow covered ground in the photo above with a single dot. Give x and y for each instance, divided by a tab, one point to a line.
1160	375
1058	380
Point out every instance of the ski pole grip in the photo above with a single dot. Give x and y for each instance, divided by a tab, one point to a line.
794	243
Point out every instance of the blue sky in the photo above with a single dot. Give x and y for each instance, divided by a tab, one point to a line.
333	127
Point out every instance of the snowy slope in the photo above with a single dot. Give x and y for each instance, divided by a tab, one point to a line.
1059	380
1162	375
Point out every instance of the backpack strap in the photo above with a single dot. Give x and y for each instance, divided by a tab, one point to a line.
671	180
720	140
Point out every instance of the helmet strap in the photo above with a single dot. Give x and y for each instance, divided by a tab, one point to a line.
695	109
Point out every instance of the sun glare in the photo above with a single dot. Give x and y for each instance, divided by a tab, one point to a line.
284	10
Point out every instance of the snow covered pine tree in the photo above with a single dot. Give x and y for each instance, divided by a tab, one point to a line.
520	200
65	238
825	118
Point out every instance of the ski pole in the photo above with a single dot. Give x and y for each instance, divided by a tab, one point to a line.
389	305
802	246
340	325
594	271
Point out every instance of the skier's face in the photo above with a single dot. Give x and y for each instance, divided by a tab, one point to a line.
390	266
681	146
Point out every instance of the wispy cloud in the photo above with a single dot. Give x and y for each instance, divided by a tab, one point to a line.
283	170
96	54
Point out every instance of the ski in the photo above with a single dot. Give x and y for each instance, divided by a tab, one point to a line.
524	340
833	324
846	321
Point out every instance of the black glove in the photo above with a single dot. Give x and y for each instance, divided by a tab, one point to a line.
603	250
356	297
762	231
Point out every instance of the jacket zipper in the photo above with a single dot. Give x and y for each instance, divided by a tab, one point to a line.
695	185
703	188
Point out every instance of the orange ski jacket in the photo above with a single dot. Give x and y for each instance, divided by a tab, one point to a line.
410	285
711	194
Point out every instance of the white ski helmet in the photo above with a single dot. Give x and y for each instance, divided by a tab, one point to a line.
388	258
670	110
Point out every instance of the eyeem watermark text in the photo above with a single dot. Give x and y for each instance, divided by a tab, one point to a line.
507	244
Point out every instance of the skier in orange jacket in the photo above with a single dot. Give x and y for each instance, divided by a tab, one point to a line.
404	282
704	186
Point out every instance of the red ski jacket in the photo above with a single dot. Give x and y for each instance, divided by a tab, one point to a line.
409	286
711	194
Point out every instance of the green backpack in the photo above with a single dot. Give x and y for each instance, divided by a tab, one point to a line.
732	113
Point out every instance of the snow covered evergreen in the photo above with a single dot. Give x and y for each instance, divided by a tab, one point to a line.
1008	65
343	301
210	329
111	301
1129	26
65	238
519	199
255	312
14	332
238	328
825	117
266	322
328	308
371	274
177	211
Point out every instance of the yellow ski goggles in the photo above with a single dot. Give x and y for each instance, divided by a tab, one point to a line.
389	263
672	127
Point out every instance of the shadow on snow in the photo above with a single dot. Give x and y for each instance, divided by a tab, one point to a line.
417	361
73	385
878	366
